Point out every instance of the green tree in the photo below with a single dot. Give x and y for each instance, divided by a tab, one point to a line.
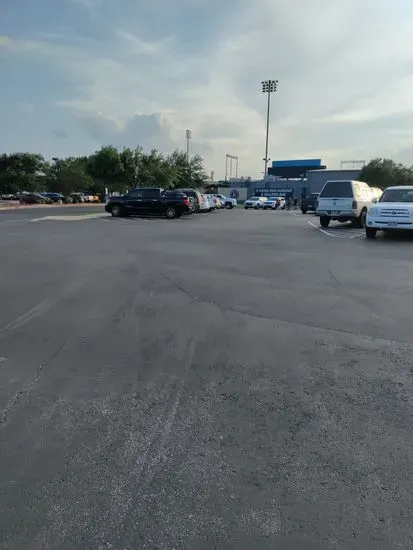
186	174
197	172
154	170
21	172
382	172
68	175
106	168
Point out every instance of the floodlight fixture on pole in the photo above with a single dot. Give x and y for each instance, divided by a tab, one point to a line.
268	87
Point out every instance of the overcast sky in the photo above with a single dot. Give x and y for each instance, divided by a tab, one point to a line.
76	74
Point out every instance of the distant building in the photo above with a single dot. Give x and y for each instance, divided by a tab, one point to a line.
295	178
316	179
294	169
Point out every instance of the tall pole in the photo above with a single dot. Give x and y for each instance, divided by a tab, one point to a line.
268	87
188	134
267	132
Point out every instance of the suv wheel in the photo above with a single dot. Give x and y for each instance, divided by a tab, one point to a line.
303	210
116	211
229	205
171	213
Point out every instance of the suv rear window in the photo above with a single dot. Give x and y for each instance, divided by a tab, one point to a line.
337	190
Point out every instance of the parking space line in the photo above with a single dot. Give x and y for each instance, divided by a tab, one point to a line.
324	231
346	233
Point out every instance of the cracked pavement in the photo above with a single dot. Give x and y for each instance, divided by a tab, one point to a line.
229	380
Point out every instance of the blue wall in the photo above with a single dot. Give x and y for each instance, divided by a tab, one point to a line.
314	163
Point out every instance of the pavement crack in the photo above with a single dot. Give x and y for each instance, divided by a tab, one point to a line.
191	296
335	278
238	311
26	390
179	287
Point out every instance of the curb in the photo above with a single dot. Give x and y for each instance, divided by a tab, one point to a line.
6	207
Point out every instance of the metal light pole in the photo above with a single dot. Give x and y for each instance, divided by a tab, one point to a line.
188	134
230	158
268	87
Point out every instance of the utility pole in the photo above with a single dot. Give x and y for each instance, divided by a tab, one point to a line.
268	87
188	134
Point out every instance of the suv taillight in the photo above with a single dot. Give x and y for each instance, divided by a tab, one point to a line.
354	205
186	201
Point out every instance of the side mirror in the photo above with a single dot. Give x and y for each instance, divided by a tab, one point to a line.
375	200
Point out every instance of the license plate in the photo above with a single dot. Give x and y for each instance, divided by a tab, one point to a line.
392	224
334	212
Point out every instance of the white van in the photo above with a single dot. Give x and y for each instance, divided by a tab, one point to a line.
344	201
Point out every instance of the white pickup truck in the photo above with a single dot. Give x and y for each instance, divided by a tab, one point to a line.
393	212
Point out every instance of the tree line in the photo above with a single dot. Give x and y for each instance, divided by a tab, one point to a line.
108	168
382	173
117	170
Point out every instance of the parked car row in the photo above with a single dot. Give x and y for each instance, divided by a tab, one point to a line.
50	198
265	203
162	202
216	202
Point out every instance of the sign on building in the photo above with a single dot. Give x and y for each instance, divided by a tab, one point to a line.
275	192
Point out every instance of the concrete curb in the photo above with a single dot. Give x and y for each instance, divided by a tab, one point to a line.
6	207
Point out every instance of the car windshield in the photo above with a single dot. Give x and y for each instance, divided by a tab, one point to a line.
337	190
397	195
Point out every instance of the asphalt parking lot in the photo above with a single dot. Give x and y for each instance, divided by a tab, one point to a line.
226	380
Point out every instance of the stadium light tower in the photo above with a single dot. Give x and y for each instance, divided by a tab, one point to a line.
268	87
188	135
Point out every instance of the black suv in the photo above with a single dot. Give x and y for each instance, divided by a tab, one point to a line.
148	200
309	203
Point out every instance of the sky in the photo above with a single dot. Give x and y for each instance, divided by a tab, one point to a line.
78	74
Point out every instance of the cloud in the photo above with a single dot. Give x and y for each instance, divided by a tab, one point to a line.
143	73
27	108
60	134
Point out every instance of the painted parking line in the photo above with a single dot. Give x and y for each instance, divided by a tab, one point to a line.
71	218
339	232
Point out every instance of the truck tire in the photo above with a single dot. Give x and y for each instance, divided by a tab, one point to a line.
361	222
371	233
116	211
325	221
171	213
303	210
